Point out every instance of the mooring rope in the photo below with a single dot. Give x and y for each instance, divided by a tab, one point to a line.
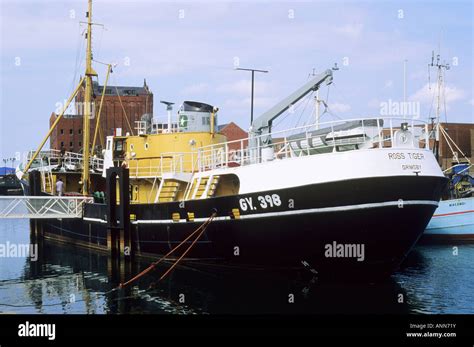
202	228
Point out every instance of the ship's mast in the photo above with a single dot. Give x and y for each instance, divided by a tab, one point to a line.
87	104
440	85
317	104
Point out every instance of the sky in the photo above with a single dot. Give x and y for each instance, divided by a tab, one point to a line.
188	51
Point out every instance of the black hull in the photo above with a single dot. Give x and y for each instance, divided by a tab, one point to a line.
359	212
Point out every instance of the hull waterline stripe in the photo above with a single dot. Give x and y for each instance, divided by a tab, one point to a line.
285	213
97	220
452	213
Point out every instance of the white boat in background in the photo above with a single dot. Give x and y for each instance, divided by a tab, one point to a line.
453	220
454	217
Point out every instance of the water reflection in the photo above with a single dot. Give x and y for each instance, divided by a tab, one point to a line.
439	278
69	280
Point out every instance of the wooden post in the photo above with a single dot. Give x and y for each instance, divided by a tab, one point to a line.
111	191
34	189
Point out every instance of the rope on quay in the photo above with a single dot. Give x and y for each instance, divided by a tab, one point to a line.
201	229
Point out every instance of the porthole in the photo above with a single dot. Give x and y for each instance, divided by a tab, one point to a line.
146	146
132	147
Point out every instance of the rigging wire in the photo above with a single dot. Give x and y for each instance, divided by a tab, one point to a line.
339	91
327	94
285	116
328	109
100	41
432	103
123	107
79	52
287	113
444	100
309	97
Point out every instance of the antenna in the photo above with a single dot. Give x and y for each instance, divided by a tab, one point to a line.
169	108
169	105
440	85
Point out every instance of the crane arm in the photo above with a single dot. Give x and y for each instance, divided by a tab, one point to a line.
263	124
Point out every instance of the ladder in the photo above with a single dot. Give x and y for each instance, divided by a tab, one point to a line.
211	187
202	187
167	191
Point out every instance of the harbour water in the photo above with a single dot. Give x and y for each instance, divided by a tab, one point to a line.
434	279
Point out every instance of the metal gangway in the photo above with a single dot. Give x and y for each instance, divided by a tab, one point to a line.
42	207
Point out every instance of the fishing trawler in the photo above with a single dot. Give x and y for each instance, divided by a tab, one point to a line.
274	198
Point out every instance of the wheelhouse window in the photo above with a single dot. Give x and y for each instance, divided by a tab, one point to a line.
119	145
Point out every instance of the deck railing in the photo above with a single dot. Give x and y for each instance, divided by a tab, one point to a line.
235	153
166	163
53	157
372	133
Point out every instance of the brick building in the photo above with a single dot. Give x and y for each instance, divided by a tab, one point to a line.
136	101
233	132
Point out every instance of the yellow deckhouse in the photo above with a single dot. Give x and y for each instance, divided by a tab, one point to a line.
163	156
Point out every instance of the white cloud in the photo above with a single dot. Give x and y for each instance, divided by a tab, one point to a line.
351	30
242	103
243	87
198	88
418	75
339	107
425	94
388	84
453	93
374	103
